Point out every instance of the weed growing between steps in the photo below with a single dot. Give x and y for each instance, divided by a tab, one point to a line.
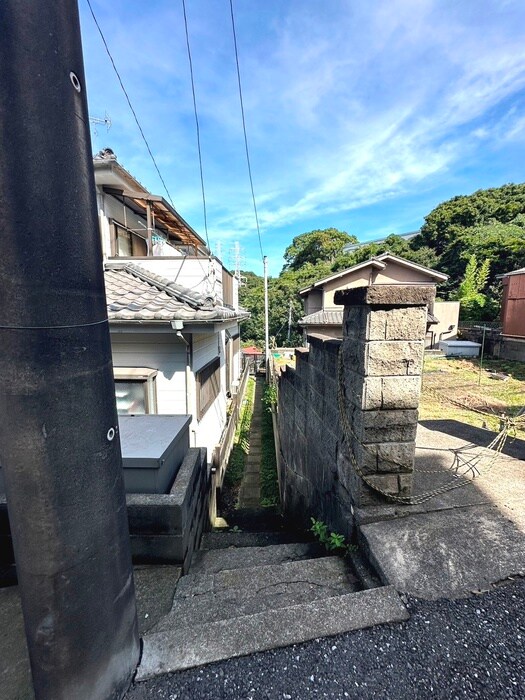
332	541
269	483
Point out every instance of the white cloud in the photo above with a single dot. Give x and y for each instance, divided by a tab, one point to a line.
347	104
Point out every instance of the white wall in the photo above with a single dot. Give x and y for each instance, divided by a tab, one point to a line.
163	352
201	274
167	354
208	431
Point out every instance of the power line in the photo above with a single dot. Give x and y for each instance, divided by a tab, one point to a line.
129	101
196	121
244	128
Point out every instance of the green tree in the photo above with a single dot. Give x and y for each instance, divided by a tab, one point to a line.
475	305
452	217
316	246
251	297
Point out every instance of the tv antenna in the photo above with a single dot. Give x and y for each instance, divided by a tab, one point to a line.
100	120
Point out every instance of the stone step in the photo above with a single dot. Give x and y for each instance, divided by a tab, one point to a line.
225	539
177	648
214	560
204	598
256	519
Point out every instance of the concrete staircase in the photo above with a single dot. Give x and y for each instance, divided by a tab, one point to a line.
251	591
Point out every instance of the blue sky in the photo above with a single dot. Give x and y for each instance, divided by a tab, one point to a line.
360	115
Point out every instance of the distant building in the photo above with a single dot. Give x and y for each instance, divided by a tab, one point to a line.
323	316
513	316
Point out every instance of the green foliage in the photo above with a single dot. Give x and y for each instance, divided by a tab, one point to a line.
332	541
270	397
316	246
489	224
451	218
268	472
251	297
475	305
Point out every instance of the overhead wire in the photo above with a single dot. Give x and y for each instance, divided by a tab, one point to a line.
129	101
196	122
244	128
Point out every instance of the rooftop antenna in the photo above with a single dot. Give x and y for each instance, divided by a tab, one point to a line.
99	120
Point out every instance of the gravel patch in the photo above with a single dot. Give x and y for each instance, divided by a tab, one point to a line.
467	648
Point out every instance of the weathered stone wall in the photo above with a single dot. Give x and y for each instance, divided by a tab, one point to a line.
326	451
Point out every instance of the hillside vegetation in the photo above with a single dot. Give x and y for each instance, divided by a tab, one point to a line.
472	238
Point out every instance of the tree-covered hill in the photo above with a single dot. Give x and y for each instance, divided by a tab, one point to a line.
472	238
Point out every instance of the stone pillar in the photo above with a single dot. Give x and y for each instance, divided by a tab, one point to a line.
384	329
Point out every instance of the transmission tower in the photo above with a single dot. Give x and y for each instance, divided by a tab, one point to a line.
236	260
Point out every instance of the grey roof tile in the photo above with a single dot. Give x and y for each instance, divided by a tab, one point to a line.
135	294
323	318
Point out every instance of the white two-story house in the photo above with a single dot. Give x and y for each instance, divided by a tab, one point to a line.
173	308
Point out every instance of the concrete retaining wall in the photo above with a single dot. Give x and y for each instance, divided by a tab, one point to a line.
164	528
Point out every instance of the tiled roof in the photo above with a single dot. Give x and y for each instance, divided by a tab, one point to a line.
323	318
335	318
135	294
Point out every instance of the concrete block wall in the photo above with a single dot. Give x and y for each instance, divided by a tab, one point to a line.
167	528
310	434
164	528
382	357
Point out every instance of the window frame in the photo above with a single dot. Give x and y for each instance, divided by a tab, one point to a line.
208	386
139	375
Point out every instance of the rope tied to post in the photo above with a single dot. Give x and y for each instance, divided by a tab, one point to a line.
465	470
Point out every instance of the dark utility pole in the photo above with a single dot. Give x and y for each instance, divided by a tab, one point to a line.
59	443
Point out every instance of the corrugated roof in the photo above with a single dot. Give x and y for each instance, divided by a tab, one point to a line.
135	294
521	271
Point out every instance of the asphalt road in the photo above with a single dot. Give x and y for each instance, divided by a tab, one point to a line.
468	648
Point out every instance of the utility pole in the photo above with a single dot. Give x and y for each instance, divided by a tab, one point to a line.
266	330
289	323
59	438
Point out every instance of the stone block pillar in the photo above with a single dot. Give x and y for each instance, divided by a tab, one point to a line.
384	329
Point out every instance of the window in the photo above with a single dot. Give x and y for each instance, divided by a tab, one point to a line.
208	386
128	244
135	390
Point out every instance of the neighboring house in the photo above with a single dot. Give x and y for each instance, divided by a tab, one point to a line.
323	316
513	316
173	308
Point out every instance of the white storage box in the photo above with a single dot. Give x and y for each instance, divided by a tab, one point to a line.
460	348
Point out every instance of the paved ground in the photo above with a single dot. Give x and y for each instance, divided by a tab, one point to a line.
469	648
464	540
250	490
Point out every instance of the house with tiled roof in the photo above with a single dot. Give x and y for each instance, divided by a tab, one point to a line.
324	317
173	308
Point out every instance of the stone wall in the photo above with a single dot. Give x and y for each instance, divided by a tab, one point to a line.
334	459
